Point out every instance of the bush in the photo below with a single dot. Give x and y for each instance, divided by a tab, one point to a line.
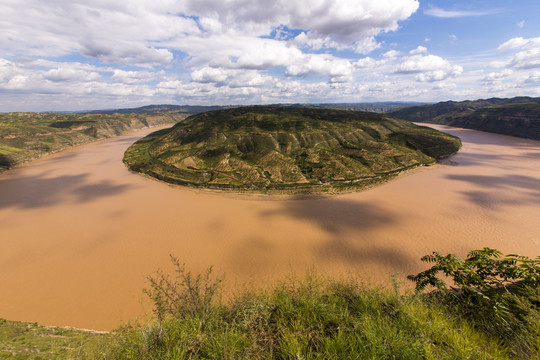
184	295
500	295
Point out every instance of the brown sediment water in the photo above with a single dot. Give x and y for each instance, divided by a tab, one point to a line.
79	232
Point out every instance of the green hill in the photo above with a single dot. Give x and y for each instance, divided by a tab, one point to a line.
518	116
292	148
27	136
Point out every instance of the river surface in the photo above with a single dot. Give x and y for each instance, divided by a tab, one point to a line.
79	232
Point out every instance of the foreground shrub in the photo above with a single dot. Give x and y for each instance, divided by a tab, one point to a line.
499	295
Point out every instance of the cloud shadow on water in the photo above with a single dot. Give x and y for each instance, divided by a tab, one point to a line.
501	190
41	190
344	221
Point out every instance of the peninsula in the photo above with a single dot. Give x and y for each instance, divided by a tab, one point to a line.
291	149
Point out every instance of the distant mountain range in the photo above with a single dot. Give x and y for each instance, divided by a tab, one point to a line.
519	116
151	109
378	107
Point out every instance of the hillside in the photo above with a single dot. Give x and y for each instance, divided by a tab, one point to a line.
27	136
518	116
293	148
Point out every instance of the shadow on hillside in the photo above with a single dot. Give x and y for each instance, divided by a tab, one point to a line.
337	217
41	190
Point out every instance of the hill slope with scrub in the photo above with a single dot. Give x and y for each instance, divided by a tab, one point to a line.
518	116
291	148
27	136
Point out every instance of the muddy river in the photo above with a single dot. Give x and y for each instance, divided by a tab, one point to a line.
79	232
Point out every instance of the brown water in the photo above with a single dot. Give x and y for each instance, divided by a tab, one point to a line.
79	233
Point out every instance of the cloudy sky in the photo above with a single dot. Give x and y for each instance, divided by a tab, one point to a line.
99	54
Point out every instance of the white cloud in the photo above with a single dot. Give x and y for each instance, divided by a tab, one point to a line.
419	50
514	43
533	79
143	32
391	54
444	86
321	64
133	77
8	70
126	54
497	76
210	75
438	12
344	21
528	57
112	31
428	68
236	51
70	74
367	62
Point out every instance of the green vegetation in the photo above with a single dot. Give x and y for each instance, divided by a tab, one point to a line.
491	312
26	136
20	340
319	319
517	116
270	148
501	296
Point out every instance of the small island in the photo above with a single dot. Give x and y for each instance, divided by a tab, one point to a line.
287	149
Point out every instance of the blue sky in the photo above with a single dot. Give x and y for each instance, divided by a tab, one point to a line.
58	55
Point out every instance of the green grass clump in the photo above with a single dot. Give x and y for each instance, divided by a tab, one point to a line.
20	340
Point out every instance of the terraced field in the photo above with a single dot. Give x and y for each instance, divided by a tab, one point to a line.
287	148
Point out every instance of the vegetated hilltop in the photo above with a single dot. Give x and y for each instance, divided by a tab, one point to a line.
518	116
292	148
26	136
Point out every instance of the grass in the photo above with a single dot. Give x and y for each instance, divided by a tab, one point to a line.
20	340
316	318
310	319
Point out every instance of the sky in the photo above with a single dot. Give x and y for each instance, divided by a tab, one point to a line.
73	55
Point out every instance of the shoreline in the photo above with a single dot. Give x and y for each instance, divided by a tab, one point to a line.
282	195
